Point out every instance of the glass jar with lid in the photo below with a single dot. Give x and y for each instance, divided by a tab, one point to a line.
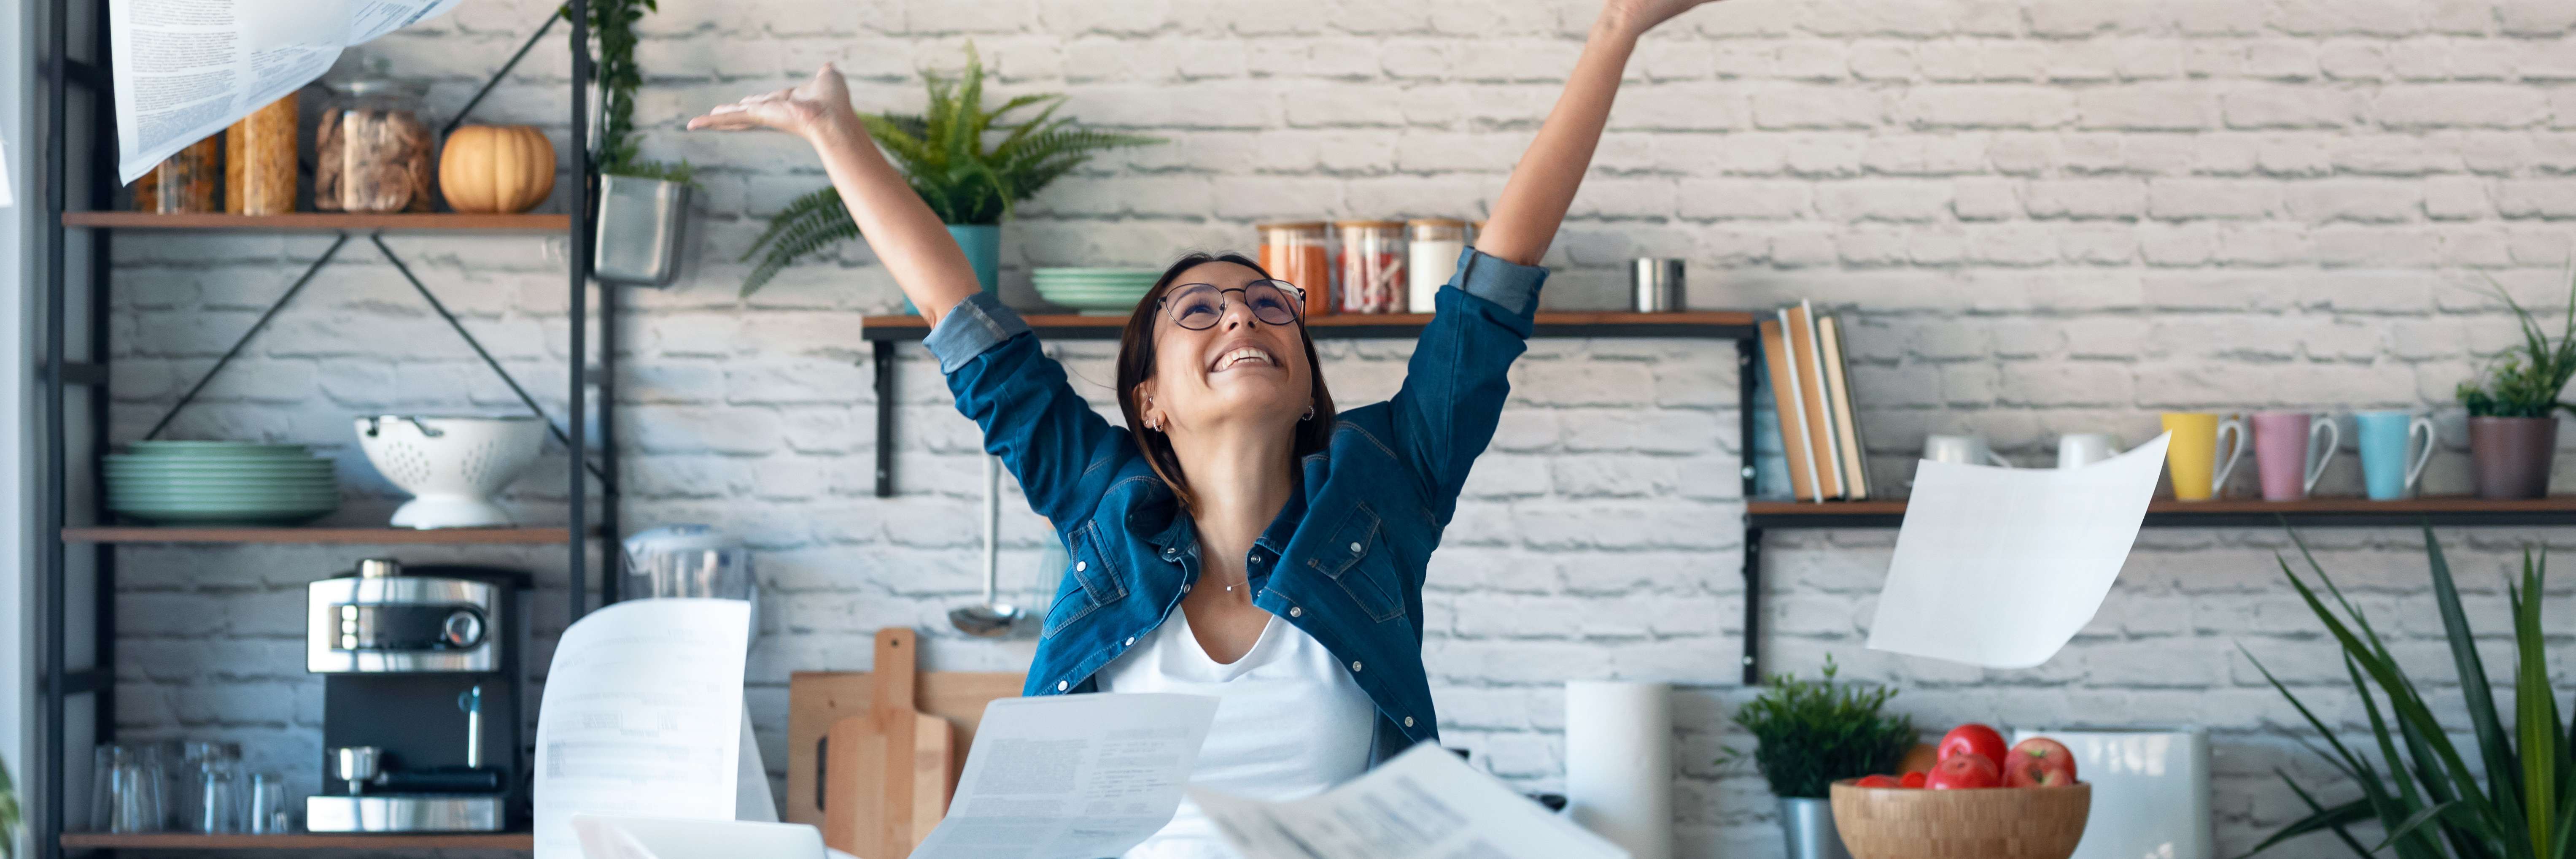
259	161
1432	246
371	152
1370	269
185	182
1295	252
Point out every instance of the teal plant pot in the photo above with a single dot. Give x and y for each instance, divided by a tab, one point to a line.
983	246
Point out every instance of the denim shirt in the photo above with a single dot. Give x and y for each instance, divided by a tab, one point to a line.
1345	559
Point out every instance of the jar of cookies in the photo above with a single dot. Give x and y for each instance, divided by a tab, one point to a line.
371	152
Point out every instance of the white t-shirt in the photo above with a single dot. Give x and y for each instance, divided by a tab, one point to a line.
1289	722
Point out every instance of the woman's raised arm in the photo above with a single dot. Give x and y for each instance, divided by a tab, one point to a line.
901	229
1542	186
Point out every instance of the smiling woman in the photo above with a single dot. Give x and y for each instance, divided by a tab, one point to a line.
1314	526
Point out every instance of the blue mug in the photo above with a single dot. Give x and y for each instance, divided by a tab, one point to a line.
2390	462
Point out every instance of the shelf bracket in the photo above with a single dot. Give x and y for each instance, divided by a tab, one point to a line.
1747	377
883	352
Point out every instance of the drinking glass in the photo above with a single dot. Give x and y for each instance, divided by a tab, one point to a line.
127	791
219	799
268	814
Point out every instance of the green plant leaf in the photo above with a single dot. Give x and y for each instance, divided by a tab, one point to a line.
2410	824
2319	819
2503	777
2536	711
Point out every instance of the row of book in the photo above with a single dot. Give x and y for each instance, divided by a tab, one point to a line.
1802	351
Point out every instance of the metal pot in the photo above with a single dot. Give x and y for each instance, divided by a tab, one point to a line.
1807	826
638	242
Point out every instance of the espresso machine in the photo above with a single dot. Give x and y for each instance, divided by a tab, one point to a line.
421	694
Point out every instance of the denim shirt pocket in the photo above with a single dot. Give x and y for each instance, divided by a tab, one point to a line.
1096	571
1355	557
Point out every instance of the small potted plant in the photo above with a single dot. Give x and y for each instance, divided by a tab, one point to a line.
1809	735
2513	405
943	151
642	204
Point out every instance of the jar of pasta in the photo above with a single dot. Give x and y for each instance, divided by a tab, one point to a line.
1370	267
259	161
1295	252
371	153
1432	246
186	182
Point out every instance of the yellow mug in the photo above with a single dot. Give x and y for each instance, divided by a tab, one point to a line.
2192	455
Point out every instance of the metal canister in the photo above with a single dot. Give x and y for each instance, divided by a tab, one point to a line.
1656	284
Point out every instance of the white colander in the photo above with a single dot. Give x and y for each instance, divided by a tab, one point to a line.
451	465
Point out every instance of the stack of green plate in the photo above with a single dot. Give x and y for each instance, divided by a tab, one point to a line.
1095	291
220	482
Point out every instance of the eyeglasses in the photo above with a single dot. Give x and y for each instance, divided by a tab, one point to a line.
1198	306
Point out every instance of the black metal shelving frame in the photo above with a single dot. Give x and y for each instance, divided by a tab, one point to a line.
71	87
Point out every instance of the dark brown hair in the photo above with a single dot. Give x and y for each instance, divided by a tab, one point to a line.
1136	364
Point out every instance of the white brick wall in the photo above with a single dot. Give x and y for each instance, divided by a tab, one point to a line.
2042	217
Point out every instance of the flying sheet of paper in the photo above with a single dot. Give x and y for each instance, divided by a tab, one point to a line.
6	200
2000	567
607	837
185	69
642	717
1424	804
1071	777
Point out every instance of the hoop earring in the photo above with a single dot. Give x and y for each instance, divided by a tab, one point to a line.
1310	413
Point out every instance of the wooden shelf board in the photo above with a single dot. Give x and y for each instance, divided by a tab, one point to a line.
1695	323
373	536
2167	512
302	841
324	222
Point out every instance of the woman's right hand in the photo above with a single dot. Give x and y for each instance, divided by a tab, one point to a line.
820	104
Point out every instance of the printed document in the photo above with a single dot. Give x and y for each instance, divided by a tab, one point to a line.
1424	804
1071	777
643	717
2000	567
186	69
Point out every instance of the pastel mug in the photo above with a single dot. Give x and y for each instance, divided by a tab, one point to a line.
2288	453
1969	449
2386	468
2079	449
2192	456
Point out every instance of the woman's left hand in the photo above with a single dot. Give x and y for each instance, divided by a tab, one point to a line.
1638	16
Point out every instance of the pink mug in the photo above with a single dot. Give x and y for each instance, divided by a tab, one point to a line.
2288	453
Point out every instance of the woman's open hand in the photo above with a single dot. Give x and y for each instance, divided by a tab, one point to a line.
818	104
1638	16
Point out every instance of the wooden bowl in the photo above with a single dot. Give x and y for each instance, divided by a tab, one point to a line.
1993	823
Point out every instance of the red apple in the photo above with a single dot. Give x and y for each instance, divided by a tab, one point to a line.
1963	771
1915	779
2039	762
1973	738
1877	781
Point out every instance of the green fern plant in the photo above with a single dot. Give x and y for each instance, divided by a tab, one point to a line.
945	158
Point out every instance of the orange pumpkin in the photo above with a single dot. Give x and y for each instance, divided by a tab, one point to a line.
496	168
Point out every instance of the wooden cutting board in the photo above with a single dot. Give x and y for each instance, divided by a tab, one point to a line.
873	757
816	699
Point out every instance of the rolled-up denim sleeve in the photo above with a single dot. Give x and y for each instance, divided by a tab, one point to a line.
973	327
1456	384
1063	453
